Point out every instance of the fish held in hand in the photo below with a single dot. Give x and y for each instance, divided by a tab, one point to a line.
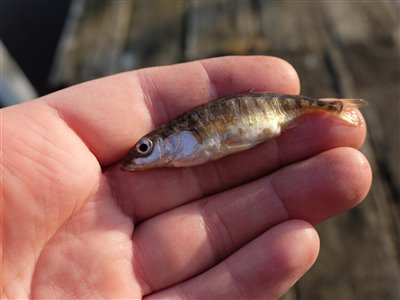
229	125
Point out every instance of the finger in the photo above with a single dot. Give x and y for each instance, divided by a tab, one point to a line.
211	229
313	134
263	269
112	113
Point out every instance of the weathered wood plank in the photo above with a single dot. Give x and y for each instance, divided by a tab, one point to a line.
372	56
91	42
155	34
291	26
215	28
106	37
359	22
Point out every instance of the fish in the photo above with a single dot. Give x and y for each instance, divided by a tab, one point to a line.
229	125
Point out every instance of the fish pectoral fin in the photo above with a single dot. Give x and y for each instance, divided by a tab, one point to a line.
291	124
235	142
231	146
235	148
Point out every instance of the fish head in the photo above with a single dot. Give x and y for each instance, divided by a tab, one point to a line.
155	150
147	153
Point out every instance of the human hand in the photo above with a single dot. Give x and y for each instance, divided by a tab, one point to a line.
76	226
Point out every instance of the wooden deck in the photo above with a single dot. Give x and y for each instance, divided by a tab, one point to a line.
342	48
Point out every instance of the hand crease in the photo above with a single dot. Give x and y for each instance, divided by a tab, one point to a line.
68	125
244	291
153	99
276	197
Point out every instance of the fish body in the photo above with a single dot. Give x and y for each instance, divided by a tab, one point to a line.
228	125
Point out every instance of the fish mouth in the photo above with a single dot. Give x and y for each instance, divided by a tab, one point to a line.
128	165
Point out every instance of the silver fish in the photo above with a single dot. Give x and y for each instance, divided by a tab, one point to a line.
229	125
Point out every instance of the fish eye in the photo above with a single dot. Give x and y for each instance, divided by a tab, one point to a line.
144	146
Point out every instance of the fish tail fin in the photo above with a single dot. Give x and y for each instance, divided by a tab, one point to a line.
353	103
347	103
349	112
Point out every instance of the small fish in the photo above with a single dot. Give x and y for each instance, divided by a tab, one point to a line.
229	125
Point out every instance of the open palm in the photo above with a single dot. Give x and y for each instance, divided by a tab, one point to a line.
75	226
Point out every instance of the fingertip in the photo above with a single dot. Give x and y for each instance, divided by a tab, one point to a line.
264	268
293	247
287	80
296	247
354	167
324	185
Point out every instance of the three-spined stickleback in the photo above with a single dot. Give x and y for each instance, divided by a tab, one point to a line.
229	125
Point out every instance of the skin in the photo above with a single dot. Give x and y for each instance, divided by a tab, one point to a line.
75	226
